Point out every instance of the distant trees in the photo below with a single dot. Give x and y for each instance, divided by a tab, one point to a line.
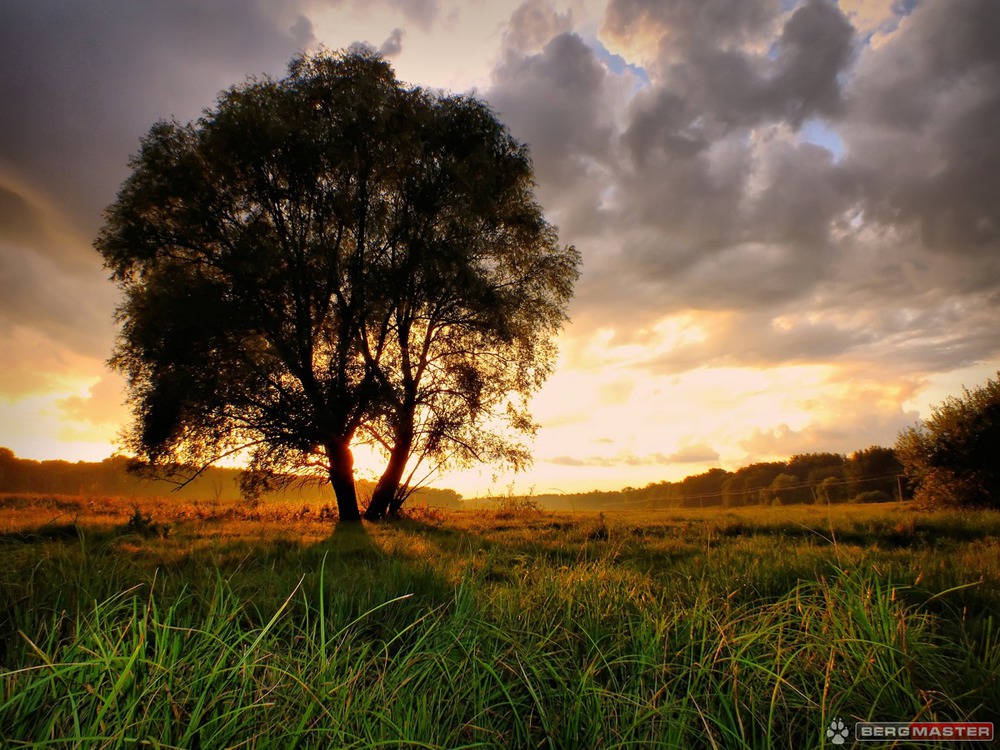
705	489
787	489
112	477
953	457
875	468
333	258
804	478
748	484
109	477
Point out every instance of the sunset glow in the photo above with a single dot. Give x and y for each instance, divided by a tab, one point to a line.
787	211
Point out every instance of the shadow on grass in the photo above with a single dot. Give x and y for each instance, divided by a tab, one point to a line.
45	533
890	536
342	579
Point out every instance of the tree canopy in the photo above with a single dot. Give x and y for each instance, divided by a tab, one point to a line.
953	457
329	258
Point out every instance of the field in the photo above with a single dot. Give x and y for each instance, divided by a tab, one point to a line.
211	625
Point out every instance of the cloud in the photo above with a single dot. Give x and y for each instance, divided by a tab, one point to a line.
652	30
101	73
70	306
557	96
34	364
393	45
694	454
691	454
703	193
533	24
617	392
619	460
102	407
567	461
922	131
423	13
88	81
867	15
554	100
853	415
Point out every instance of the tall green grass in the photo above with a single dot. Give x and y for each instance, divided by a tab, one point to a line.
526	634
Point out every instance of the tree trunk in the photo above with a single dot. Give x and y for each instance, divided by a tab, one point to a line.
395	504
383	500
342	480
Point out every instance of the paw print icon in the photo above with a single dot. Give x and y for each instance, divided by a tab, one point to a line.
838	732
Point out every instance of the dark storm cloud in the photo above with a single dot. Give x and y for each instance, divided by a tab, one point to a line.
717	195
692	21
884	248
554	100
702	214
70	306
923	130
813	49
81	83
532	25
721	59
794	78
421	13
560	101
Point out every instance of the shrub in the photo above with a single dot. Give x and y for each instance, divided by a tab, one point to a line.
142	524
517	506
953	458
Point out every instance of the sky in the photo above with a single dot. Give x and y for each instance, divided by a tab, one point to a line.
788	210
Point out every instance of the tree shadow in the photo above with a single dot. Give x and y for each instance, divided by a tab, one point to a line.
44	533
892	536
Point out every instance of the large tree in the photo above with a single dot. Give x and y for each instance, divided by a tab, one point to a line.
328	257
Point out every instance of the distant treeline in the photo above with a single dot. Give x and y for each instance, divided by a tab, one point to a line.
870	475
111	477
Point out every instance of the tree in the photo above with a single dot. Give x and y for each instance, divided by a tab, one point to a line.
815	467
483	288
286	259
704	489
749	484
787	489
874	468
953	458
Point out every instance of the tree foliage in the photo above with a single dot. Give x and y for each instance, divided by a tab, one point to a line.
953	457
327	258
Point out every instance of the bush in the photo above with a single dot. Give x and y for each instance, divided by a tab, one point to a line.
517	506
142	524
872	496
953	458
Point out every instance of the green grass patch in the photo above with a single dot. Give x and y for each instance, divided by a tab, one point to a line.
744	629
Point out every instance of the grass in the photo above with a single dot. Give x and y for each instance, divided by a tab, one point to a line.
213	626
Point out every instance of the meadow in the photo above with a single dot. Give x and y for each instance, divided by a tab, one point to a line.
174	624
